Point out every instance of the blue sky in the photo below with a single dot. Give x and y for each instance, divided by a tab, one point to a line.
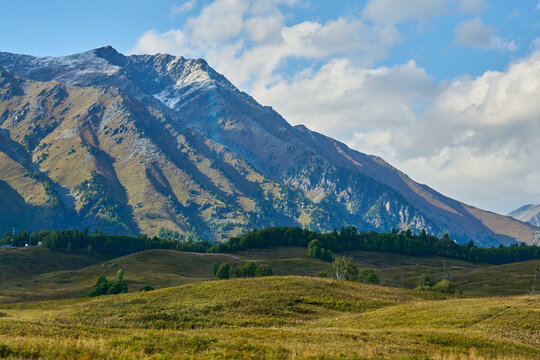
445	90
62	27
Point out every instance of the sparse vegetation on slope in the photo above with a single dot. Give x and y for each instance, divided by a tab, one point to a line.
274	318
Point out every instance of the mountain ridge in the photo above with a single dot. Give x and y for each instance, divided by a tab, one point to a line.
208	151
529	213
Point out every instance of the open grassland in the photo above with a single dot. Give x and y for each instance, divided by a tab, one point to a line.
20	263
274	318
36	273
158	268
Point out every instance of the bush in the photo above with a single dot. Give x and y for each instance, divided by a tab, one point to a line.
264	270
246	270
146	288
322	274
368	276
117	287
102	286
424	282
316	250
106	287
224	271
444	286
249	269
343	268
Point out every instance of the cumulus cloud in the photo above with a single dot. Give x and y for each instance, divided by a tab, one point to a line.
476	138
472	138
153	42
219	21
474	33
347	99
183	8
472	7
398	11
248	40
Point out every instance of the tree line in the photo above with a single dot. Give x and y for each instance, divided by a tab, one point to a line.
401	242
348	238
106	243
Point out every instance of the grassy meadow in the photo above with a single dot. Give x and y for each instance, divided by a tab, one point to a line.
274	318
46	312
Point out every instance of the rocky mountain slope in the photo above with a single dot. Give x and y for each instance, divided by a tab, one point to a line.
133	144
528	213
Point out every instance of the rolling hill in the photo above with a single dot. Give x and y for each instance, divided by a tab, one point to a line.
37	274
274	318
131	144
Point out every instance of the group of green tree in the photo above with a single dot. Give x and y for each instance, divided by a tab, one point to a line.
426	282
343	268
320	245
401	242
73	240
106	287
249	269
316	250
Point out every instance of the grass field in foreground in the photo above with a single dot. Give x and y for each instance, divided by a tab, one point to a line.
274	318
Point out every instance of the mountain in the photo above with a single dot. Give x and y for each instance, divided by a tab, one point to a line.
134	144
528	213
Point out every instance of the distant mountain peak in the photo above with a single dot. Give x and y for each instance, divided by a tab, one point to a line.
529	213
111	55
169	142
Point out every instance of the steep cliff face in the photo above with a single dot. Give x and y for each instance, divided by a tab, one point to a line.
137	143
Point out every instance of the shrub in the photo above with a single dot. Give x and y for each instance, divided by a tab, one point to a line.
444	286
106	287
223	272
264	270
246	270
117	287
343	268
322	274
102	286
316	250
424	282
368	276
146	288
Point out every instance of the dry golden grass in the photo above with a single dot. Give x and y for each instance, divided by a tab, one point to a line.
274	318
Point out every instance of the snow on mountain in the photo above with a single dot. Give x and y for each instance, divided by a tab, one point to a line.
528	213
178	146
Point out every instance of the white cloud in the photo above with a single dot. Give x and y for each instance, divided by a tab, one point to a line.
471	138
397	11
265	29
472	7
183	8
219	21
152	42
345	99
474	33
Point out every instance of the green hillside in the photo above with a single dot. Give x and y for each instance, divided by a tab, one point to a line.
37	273
158	268
274	318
